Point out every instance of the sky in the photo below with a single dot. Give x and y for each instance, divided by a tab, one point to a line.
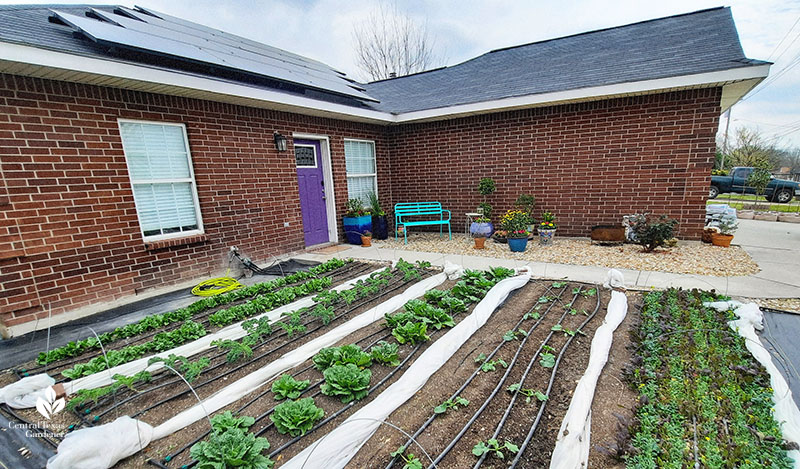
462	29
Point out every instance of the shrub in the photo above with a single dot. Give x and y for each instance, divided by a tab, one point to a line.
649	234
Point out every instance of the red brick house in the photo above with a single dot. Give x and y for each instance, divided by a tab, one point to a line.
136	147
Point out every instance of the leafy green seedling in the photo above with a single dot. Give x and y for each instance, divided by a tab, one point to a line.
528	393
545	299
511	335
410	461
480	358
548	360
493	446
533	315
492	365
559	284
450	404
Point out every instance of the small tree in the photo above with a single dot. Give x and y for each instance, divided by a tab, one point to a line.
759	180
486	187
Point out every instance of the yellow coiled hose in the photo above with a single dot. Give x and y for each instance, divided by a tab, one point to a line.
215	286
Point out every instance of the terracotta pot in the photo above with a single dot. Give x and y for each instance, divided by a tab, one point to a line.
366	241
480	243
719	239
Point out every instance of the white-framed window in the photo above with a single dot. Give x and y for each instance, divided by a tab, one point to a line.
362	169
160	169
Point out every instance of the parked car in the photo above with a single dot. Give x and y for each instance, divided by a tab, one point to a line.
778	190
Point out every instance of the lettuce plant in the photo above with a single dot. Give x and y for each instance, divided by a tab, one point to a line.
385	353
411	332
231	448
347	381
296	417
287	386
327	357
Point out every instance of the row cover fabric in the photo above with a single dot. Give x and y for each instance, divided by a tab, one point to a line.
335	449
260	377
90	448
786	411
230	332
572	443
24	393
103	446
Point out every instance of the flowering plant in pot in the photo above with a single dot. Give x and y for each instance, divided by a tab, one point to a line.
515	223
727	226
479	235
547	228
356	221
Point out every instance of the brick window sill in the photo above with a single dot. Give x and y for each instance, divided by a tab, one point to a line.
169	243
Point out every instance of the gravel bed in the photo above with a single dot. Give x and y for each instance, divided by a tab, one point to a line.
784	304
686	258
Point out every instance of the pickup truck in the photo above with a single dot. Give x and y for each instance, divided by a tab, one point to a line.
778	190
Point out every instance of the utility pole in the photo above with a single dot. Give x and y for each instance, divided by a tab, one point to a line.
725	142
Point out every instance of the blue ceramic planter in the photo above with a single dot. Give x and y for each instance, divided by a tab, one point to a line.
517	244
478	230
354	227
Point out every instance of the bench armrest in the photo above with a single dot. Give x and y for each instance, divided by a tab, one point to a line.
448	214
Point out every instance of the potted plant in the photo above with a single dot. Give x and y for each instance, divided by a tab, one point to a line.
483	225
526	203
727	226
356	221
479	232
380	226
547	228
366	239
515	223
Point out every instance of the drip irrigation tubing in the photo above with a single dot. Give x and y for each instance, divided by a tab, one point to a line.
510	406
478	369
202	316
550	387
254	359
256	347
316	393
499	386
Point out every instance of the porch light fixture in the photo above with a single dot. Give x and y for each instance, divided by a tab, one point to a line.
280	142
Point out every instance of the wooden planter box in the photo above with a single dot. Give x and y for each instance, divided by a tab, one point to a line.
610	234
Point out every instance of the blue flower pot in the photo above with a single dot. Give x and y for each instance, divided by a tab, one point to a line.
517	244
478	230
354	227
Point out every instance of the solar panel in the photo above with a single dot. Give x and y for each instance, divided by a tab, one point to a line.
198	43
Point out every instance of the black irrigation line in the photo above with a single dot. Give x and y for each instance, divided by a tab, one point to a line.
550	386
478	369
258	346
360	266
500	384
268	390
316	393
29	425
510	406
259	357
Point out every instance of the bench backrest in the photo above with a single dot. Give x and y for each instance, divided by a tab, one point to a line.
418	208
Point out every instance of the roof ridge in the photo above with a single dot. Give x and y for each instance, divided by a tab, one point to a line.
705	10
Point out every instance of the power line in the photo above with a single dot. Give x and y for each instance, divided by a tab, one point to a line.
783	39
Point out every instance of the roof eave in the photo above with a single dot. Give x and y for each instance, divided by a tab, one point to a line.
43	63
735	82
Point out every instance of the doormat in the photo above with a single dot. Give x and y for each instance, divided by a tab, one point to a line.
331	249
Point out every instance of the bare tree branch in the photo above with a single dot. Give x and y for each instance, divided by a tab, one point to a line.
392	42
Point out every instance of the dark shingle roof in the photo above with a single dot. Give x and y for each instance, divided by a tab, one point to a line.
698	42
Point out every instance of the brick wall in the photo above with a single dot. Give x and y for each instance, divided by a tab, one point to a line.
69	233
588	163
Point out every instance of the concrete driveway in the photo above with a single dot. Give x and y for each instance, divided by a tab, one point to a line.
775	246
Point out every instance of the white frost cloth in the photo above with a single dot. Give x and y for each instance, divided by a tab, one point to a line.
572	444
103	446
24	393
786	411
335	449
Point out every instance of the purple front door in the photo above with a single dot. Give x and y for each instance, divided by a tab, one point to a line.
312	191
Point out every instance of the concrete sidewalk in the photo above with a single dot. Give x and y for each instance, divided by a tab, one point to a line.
774	246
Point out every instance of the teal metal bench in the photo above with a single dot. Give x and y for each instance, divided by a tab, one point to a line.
403	211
